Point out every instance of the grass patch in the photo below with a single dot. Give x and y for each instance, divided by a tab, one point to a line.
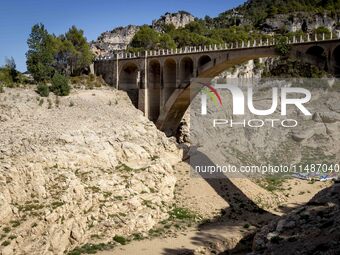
6	243
271	183
120	239
6	229
91	248
181	213
246	225
30	207
57	204
125	168
15	223
137	237
155	232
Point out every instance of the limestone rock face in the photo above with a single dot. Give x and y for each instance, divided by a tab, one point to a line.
72	172
178	20
116	40
326	117
312	228
301	21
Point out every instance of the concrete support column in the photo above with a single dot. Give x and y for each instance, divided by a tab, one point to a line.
161	94
178	73
117	71
143	100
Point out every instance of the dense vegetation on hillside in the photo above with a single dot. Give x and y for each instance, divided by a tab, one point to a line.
258	10
240	24
198	33
195	34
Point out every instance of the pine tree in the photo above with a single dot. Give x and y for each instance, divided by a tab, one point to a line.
40	55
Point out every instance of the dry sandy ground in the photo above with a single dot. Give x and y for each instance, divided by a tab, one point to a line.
228	227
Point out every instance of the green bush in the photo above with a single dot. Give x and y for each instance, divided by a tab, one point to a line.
2	89
60	85
5	76
282	46
120	239
43	90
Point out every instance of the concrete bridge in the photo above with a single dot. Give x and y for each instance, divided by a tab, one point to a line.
158	82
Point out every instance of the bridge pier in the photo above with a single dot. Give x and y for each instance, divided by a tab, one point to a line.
143	101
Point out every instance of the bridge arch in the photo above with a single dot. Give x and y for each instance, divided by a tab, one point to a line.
128	78
317	55
169	78
186	70
154	89
203	60
316	51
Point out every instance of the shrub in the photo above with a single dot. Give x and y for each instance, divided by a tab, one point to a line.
2	89
43	90
282	46
60	85
6	77
6	229
120	239
92	77
6	243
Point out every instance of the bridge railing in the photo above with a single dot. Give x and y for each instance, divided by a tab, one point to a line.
218	47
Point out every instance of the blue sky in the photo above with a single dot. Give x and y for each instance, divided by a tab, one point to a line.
94	17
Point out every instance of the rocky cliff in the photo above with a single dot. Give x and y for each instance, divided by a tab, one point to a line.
178	20
79	169
116	40
300	22
310	229
119	38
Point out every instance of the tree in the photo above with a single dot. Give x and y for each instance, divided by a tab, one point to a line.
64	52
78	50
166	42
68	54
146	38
40	55
10	63
282	46
197	27
10	66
